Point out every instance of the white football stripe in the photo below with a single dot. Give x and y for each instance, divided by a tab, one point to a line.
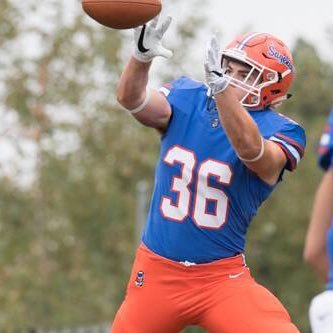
243	43
325	139
293	151
164	91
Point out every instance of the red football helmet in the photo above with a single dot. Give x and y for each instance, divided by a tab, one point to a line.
269	59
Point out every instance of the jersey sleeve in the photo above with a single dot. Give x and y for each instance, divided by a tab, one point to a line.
292	140
325	148
178	90
171	89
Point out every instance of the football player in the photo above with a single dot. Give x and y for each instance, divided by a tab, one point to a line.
318	249
223	152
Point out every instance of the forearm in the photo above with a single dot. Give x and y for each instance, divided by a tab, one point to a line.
132	84
320	266
263	157
242	131
315	251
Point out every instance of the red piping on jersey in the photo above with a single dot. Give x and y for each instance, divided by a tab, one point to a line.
289	156
293	142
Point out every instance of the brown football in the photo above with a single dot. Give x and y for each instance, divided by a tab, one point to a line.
122	14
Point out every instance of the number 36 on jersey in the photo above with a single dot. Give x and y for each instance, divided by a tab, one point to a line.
202	195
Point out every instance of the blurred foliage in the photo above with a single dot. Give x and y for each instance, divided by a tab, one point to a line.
314	80
68	238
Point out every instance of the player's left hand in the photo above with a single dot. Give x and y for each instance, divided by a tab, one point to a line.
213	70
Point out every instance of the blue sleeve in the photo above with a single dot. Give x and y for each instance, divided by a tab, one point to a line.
291	138
175	91
184	95
325	149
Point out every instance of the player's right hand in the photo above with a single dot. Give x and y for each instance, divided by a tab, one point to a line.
148	40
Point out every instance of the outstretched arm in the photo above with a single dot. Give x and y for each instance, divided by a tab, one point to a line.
315	251
263	157
147	105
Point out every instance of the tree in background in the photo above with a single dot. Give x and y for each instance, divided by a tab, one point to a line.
67	221
67	201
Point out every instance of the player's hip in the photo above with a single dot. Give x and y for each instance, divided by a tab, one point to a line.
209	295
187	242
161	267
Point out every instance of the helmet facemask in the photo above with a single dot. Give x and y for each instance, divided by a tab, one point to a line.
259	76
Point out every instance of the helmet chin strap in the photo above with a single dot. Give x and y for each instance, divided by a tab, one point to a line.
278	101
285	73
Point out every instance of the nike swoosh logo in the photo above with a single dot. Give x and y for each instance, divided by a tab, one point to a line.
235	276
140	42
217	73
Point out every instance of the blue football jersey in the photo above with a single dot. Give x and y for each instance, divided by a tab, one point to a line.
330	257
325	150
204	197
325	161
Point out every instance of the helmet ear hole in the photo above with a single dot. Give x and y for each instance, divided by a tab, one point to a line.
279	77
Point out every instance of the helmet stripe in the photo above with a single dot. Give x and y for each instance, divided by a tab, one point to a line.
247	39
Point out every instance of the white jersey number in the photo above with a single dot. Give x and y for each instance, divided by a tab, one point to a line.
204	193
180	210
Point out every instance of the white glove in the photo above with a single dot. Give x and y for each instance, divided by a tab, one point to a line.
148	40
213	68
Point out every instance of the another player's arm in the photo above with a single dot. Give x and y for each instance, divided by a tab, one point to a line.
315	251
132	92
246	139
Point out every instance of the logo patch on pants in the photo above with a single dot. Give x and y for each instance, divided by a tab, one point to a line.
139	279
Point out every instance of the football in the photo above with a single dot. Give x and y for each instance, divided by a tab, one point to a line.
122	14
